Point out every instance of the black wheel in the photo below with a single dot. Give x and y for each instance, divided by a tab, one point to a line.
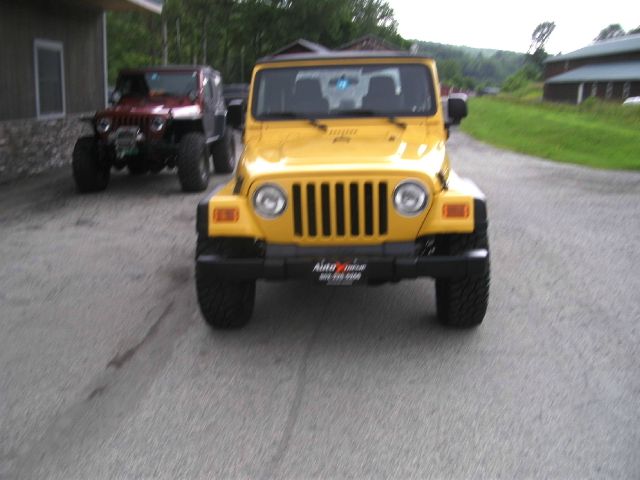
225	304
462	302
89	172
193	163
224	153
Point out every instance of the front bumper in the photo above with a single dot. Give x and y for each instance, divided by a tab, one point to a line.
378	267
146	147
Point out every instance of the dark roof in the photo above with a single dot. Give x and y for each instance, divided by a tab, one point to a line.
169	68
614	46
333	55
369	41
154	6
304	44
601	72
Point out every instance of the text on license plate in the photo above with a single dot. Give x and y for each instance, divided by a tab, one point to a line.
348	272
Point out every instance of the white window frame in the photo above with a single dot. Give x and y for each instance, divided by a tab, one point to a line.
39	43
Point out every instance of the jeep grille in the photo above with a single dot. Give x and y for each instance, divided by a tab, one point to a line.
343	209
140	121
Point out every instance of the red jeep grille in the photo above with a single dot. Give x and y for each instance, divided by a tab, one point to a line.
140	121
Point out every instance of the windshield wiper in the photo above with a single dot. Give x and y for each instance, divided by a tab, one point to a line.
296	116
372	113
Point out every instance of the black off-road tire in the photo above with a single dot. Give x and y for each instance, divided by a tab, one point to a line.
462	302
224	304
193	162
224	153
89	173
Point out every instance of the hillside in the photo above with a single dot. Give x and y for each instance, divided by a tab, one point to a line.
471	67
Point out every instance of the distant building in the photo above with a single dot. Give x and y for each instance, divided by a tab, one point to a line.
609	70
301	45
53	68
367	42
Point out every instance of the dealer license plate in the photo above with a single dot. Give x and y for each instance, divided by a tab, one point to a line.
126	140
339	272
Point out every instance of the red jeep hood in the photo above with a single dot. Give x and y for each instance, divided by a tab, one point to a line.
152	106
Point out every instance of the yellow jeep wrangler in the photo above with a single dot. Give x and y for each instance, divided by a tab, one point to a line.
345	179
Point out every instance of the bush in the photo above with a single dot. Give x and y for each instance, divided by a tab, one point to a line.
521	78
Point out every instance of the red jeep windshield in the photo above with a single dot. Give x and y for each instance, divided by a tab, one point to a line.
150	84
343	91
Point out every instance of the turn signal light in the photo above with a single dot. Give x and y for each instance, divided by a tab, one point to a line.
226	215
455	210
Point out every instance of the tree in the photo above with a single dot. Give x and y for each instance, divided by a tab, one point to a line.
540	36
634	30
231	34
612	31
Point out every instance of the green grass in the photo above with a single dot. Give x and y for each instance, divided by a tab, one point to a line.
596	134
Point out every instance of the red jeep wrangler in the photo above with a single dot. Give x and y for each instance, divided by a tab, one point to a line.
160	117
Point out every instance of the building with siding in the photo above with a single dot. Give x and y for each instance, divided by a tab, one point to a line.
609	70
53	63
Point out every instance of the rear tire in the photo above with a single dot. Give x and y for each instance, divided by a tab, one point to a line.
224	304
224	153
193	163
462	302
89	173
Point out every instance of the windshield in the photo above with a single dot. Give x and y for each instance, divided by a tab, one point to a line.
343	91
150	84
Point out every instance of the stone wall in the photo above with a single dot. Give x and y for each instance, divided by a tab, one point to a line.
32	146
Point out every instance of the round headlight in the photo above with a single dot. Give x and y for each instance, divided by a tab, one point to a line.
157	123
103	125
410	198
269	201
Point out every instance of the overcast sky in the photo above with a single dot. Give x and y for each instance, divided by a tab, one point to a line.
508	25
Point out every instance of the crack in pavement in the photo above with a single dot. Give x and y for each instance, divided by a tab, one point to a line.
294	411
120	359
71	428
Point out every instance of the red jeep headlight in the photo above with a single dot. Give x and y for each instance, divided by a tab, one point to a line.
157	124
103	125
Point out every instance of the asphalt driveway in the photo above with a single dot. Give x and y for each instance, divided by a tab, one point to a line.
107	370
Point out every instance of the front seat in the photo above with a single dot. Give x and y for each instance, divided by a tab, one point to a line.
308	99
381	96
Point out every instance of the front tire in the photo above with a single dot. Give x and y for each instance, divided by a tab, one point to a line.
193	162
224	304
224	153
462	302
89	173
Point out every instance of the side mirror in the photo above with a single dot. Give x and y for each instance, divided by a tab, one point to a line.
193	95
115	97
456	110
235	114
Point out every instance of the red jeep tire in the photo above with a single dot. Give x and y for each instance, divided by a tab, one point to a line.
89	173
193	162
224	153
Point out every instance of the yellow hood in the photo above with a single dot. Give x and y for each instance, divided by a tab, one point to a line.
326	154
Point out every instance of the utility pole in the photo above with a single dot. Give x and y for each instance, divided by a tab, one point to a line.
242	64
165	43
204	40
178	47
